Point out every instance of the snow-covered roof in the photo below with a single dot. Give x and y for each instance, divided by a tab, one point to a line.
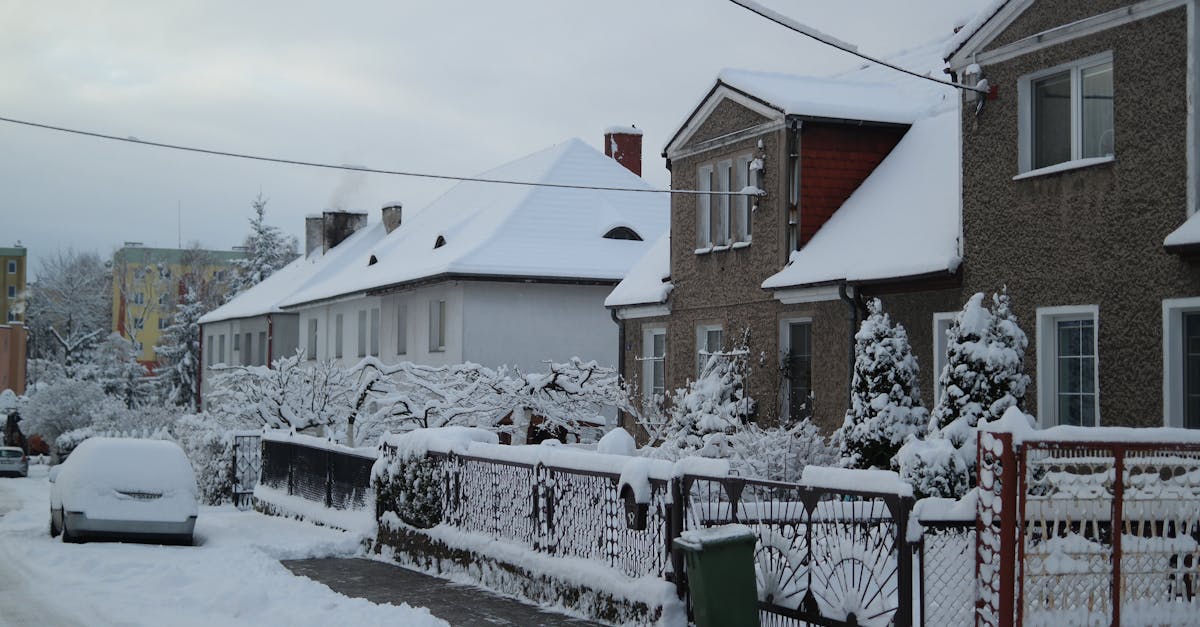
646	282
972	26
902	221
1188	234
266	297
843	99
514	230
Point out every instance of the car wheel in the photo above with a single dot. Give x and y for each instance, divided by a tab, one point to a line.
68	535
54	530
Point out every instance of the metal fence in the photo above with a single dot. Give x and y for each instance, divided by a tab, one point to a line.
946	562
1089	532
336	479
247	466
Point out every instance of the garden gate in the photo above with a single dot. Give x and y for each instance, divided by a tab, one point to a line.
247	464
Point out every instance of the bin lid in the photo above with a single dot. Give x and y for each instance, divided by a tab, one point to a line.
697	539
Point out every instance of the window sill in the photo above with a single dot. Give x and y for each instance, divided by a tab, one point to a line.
745	244
1065	167
704	251
723	247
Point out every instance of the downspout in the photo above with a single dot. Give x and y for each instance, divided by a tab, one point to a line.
620	358
200	370
271	339
852	319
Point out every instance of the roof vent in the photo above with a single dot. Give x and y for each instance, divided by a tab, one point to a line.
441	241
623	232
372	261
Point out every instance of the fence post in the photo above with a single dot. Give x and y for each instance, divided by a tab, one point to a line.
291	461
1115	529
678	507
996	530
329	479
904	608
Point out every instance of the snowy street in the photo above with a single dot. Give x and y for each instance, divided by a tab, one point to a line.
231	577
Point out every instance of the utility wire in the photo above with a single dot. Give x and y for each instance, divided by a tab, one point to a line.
330	166
791	24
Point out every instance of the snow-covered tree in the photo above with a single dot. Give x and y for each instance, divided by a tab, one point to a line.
179	351
408	396
885	399
62	406
68	310
292	393
710	409
267	250
569	396
120	373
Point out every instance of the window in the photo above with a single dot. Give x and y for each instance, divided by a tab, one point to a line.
941	325
337	336
139	298
654	363
221	348
437	326
1067	113
704	208
362	333
162	299
401	328
163	323
262	348
12	316
12	291
139	323
375	332
708	342
1181	362
311	343
797	343
12	266
623	232
209	352
248	353
1068	372
724	178
237	343
741	204
219	275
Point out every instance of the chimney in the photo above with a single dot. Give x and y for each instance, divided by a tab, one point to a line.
312	235
624	143
391	215
338	225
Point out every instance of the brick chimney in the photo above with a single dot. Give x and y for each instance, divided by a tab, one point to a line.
338	225
312	234
391	214
624	143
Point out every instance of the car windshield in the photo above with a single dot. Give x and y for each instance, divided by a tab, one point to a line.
10	453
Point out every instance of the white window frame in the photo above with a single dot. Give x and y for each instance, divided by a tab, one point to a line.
704	239
402	328
1173	370
724	228
702	331
437	326
649	359
942	322
1025	113
1047	358
741	173
785	341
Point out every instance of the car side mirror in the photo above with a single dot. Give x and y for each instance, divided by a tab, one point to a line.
54	473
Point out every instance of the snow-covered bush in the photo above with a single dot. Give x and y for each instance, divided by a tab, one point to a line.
709	410
885	398
984	376
209	446
411	486
61	406
779	453
291	393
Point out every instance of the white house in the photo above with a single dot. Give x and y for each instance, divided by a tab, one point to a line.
494	274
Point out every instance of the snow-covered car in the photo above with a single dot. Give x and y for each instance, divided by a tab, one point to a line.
13	461
124	488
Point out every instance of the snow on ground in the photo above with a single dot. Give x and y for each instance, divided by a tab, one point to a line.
232	577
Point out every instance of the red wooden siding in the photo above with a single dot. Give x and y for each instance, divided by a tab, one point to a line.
834	160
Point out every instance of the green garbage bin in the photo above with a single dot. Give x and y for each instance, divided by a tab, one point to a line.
720	574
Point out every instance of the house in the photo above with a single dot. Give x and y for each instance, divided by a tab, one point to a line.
495	274
1079	192
12	283
251	329
859	175
146	283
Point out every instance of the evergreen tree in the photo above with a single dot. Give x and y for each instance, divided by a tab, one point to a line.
120	373
966	387
710	409
179	351
267	250
1006	365
885	398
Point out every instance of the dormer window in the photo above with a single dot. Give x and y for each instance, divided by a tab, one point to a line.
441	241
623	232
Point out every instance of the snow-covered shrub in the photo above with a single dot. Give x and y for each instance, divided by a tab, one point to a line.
779	453
291	393
709	410
934	467
61	406
617	442
209	446
885	398
410	486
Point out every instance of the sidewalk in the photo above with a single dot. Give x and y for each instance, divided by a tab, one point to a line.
457	604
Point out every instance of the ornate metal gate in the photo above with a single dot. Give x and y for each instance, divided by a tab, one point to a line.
247	464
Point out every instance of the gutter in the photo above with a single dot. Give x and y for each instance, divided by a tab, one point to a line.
450	276
620	357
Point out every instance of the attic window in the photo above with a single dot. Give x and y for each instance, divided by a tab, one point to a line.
623	232
441	241
372	261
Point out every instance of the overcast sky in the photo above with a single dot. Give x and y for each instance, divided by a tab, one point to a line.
445	86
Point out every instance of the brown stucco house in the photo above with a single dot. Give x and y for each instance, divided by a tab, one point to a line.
859	182
1079	191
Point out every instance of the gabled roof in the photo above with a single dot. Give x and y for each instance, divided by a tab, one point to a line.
834	98
646	283
513	231
265	297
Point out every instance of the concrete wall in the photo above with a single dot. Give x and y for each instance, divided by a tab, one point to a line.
526	324
416	303
1090	236
326	318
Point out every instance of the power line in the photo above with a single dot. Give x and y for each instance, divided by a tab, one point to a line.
353	168
828	40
